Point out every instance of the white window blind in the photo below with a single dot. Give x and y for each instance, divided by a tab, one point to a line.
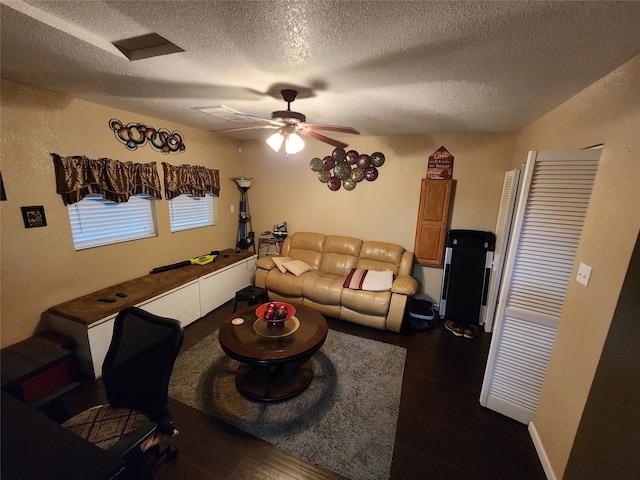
188	211
96	221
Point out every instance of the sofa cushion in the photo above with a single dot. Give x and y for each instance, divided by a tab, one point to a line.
380	256
280	261
371	303
322	288
371	280
283	283
340	254
297	267
305	246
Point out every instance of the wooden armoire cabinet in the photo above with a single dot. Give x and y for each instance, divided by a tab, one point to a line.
433	219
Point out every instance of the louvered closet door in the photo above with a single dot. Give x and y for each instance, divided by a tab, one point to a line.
503	230
547	226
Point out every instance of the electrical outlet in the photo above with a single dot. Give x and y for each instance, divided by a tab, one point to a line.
584	273
232	208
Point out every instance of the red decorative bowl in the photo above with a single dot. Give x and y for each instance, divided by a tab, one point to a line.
275	322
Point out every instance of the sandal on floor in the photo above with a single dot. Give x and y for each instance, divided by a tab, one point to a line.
454	327
471	331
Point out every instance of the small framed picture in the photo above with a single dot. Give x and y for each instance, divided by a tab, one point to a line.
34	216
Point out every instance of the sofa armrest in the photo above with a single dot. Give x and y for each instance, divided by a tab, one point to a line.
405	284
265	263
263	266
406	263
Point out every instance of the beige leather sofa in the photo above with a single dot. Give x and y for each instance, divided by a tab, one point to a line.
331	259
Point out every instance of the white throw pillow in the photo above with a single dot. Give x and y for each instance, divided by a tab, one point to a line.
280	261
297	267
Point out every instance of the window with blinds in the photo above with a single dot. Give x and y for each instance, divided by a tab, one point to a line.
188	211
96	221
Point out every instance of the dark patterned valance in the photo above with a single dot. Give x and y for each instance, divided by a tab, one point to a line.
191	179
79	176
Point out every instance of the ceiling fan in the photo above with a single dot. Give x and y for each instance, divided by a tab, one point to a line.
288	123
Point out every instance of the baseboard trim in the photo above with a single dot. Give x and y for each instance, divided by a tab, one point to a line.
542	454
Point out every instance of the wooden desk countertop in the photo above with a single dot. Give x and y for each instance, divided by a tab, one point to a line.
88	309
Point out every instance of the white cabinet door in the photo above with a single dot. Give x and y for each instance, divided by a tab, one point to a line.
99	341
182	304
222	285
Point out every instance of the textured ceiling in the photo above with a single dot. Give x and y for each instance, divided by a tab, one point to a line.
391	67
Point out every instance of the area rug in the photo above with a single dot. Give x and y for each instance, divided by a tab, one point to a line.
344	421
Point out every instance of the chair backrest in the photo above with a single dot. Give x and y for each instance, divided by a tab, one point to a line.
138	364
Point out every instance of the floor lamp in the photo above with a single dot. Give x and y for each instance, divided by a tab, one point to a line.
245	238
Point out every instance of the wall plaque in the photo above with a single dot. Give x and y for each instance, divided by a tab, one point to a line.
440	165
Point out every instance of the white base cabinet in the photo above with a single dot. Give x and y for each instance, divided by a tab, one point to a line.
187	303
219	287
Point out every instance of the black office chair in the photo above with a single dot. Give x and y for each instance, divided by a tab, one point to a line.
136	370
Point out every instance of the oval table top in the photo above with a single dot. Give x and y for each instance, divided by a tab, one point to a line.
245	338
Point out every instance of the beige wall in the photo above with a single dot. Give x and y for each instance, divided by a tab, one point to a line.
40	267
386	209
612	452
606	112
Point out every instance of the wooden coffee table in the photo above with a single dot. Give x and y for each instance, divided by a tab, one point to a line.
274	364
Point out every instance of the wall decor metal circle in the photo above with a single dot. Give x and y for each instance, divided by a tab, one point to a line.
345	170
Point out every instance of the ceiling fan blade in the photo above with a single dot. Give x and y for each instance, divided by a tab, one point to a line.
322	138
246	127
331	128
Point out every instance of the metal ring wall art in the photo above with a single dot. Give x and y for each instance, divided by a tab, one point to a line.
344	169
135	134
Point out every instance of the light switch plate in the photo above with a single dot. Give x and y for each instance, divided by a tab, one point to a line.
584	273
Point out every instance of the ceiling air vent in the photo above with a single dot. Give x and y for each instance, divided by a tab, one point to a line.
228	114
146	46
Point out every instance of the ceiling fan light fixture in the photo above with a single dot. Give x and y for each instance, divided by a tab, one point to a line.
294	143
287	123
275	141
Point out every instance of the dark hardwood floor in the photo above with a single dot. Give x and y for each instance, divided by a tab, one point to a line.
443	433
